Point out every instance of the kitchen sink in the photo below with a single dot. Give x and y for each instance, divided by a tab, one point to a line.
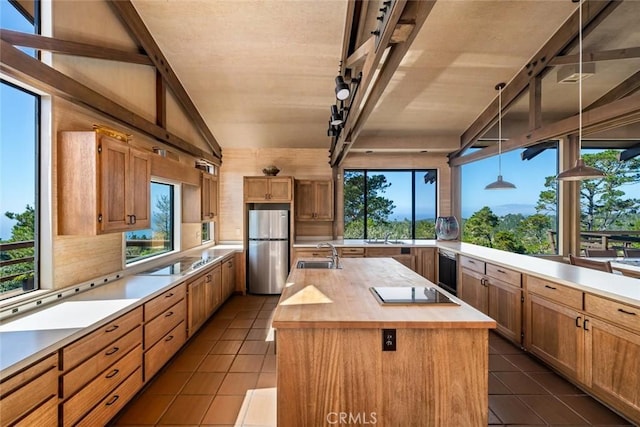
314	264
384	242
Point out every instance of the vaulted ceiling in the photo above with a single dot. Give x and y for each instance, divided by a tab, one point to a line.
261	73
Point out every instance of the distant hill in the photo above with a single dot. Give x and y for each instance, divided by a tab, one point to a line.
502	210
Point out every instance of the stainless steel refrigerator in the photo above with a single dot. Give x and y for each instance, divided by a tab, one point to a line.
268	251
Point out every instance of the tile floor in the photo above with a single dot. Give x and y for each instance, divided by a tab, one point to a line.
225	376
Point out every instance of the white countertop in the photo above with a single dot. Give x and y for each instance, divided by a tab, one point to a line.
339	243
35	334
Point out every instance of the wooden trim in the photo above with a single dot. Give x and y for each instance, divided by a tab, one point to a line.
605	55
627	87
361	53
614	114
564	39
161	101
131	20
350	19
535	103
68	47
33	72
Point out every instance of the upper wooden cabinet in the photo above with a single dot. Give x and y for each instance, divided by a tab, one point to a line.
314	200
267	189
209	184
103	185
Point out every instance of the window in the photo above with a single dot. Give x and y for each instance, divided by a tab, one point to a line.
207	231
522	220
398	204
160	238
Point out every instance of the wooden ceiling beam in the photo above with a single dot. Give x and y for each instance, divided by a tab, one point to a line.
133	22
617	113
29	70
626	88
68	47
564	39
605	55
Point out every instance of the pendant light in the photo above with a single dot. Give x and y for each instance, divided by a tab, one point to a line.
580	171
500	184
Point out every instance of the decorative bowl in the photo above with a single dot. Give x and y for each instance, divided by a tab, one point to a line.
271	170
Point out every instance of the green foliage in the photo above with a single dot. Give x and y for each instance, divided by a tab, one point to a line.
379	208
480	227
23	230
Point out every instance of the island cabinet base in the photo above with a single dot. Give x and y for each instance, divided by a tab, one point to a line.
436	377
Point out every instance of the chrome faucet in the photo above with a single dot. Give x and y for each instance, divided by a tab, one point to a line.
335	258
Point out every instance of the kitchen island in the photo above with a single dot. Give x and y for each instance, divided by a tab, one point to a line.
332	368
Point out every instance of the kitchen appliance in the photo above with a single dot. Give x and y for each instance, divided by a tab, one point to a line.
448	271
178	267
410	295
268	251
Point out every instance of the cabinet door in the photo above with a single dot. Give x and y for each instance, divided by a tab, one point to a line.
554	333
213	281
612	365
426	263
279	189
114	172
140	189
406	260
305	200
324	200
505	307
256	189
197	304
228	278
473	291
209	197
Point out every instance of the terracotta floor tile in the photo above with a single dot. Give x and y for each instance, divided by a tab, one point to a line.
186	362
555	384
226	347
497	363
254	347
212	333
247	314
223	410
247	363
552	410
199	345
261	410
493	350
186	410
168	382
216	363
219	323
272	348
264	314
262	323
269	364
592	410
266	380
270	305
511	410
258	334
238	383
235	334
496	386
526	363
493	418
520	383
146	410
502	345
241	323
203	383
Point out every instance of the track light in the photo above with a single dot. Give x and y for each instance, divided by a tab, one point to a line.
336	116
342	89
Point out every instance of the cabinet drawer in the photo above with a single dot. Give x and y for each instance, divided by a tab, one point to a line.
88	345
504	274
612	311
162	324
383	252
161	352
352	252
19	379
76	407
44	415
553	291
472	264
91	368
311	253
28	398
162	302
114	402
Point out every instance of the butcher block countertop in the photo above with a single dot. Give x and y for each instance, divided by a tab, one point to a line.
341	298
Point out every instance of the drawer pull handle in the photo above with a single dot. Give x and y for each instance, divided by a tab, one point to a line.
169	338
578	325
626	312
112	373
110	352
501	271
112	400
112	328
550	287
169	314
471	261
169	295
584	325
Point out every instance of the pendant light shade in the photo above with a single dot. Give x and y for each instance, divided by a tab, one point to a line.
580	171
500	184
342	89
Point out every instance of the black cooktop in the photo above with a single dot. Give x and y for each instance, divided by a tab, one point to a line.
410	295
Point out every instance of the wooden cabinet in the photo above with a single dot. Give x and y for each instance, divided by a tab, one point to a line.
314	200
31	394
103	185
209	203
228	278
310	253
495	291
263	189
204	295
351	252
426	263
213	282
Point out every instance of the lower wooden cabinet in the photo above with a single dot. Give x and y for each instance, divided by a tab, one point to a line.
204	295
228	278
156	357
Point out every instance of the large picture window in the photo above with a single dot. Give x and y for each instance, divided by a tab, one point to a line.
392	204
